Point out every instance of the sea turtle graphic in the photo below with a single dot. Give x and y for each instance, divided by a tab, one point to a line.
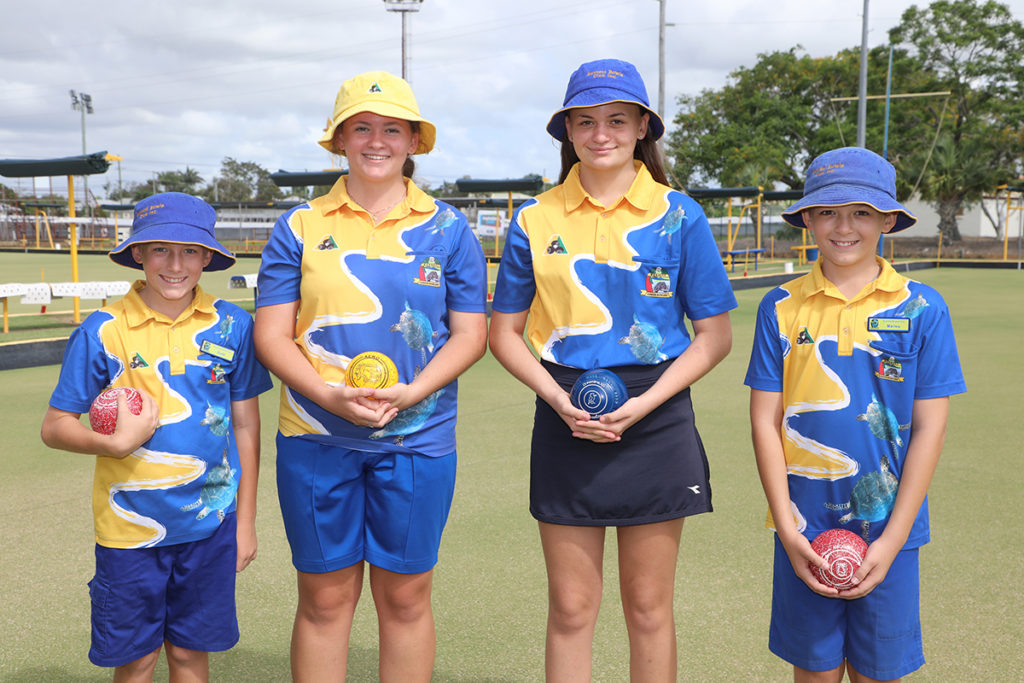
872	498
444	219
409	420
672	223
217	419
915	306
218	491
416	331
644	341
883	423
227	324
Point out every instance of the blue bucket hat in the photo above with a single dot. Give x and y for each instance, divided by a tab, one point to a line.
176	218
850	175
601	82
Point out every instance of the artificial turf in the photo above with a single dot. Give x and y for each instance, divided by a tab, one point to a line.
489	586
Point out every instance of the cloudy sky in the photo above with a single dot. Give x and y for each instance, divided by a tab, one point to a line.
187	83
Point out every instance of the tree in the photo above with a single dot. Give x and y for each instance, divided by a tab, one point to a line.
976	50
241	181
770	120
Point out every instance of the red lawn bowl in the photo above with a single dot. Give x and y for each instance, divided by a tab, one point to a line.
103	412
844	551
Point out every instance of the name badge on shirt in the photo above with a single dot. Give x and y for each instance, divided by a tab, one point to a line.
889	324
219	351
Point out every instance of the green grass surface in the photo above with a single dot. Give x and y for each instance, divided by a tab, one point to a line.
490	591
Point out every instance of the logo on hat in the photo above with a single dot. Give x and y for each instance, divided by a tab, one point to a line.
374	88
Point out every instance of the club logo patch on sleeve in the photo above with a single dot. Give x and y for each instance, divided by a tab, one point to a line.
889	324
657	283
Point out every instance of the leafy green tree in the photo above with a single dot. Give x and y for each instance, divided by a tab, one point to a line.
241	181
976	50
770	120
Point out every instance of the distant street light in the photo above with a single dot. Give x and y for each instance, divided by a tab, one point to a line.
83	102
403	7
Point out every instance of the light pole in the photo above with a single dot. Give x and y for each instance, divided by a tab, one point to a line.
862	106
403	7
82	102
661	59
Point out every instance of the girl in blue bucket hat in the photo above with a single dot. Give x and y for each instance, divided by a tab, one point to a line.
601	272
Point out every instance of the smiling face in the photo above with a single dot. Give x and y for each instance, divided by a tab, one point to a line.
847	236
604	137
376	146
172	273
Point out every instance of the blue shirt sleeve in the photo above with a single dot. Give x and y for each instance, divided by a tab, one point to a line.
939	373
706	291
280	276
764	372
83	371
515	286
466	272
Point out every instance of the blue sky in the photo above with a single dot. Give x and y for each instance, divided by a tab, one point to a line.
188	83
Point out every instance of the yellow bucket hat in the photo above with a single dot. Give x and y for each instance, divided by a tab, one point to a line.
381	93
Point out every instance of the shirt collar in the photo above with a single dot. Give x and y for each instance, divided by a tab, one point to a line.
640	194
416	200
137	312
888	280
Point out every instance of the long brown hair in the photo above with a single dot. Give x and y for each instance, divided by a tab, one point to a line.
646	150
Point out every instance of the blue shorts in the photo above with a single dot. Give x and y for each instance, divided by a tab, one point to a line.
879	635
183	593
342	506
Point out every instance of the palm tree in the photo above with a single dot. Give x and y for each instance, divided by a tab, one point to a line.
953	176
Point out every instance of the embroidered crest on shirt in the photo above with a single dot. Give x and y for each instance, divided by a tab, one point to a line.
327	243
657	283
556	246
804	337
137	361
889	368
217	374
429	273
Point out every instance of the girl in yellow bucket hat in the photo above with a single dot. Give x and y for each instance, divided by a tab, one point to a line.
366	474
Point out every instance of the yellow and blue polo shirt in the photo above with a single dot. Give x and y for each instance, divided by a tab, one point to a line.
610	286
849	371
178	486
386	288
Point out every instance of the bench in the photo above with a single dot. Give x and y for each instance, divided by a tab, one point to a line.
732	254
247	281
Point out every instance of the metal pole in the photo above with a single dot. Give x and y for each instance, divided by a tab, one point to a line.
405	62
661	59
862	104
888	96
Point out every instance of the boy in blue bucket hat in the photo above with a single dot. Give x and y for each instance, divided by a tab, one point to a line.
174	492
850	376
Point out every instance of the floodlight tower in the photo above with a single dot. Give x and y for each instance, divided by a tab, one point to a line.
82	102
403	7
